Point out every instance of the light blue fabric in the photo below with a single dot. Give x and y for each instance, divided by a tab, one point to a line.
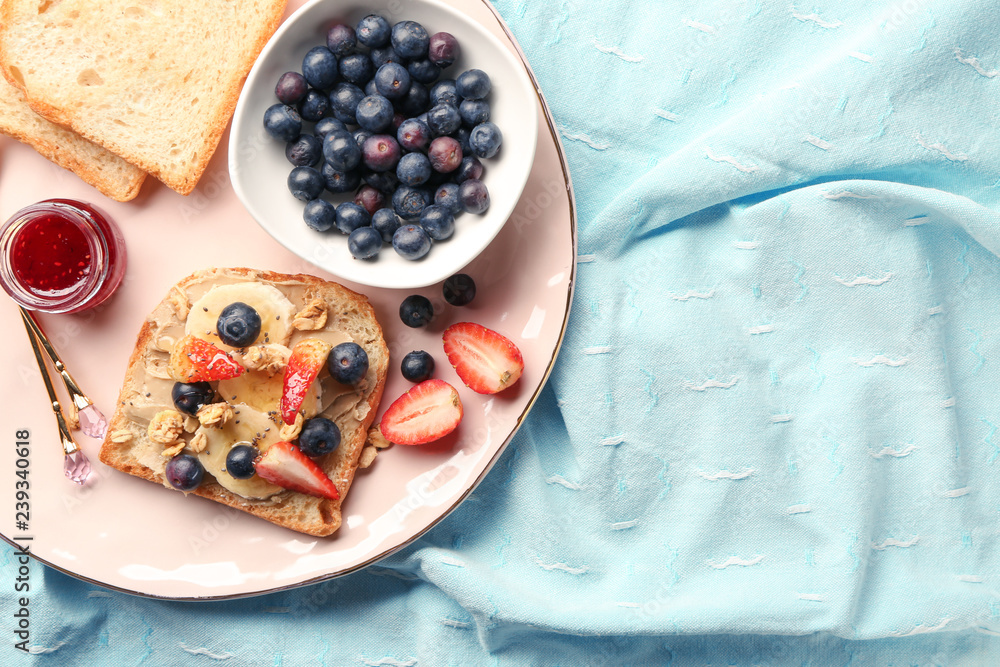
772	433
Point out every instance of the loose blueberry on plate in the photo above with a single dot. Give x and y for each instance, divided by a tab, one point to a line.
369	199
445	91
314	106
304	151
383	181
409	202
184	472
385	222
350	216
471	167
413	135
319	436
413	169
191	397
410	39
459	289
423	71
384	55
341	40
474	112
305	183
347	363
373	31
473	84
380	152
443	119
417	366
438	222
238	324
240	461
320	215
356	68
340	150
485	139
447	197
319	67
340	181
283	122
443	49
374	113
474	196
411	242
325	126
392	80
364	243
344	99
416	310
445	154
291	88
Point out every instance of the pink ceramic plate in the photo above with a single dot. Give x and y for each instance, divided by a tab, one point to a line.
125	533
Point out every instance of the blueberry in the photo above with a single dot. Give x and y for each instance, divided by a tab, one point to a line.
443	119
360	137
184	472
474	112
340	181
385	222
319	436
350	216
373	31
238	324
319	67
445	91
447	197
283	122
459	289
305	183
380	153
375	113
291	88
413	169
473	84
240	461
385	55
408	202
369	199
341	151
347	363
416	100
314	106
383	181
344	100
417	366
445	155
443	49
471	167
438	222
356	68
341	40
462	136
325	126
411	242
364	243
392	80
320	215
410	39
423	71
304	151
370	87
416	310
413	135
485	139
474	196
191	397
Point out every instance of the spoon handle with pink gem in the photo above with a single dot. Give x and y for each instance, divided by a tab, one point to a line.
75	462
92	422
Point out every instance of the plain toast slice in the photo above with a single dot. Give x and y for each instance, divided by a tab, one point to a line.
154	81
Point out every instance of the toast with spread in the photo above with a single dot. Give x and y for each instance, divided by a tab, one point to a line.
191	396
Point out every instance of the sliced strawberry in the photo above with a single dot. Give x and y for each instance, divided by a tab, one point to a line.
304	364
486	361
195	360
428	411
283	464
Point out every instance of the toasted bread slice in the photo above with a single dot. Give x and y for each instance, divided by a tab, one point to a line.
154	82
102	169
146	390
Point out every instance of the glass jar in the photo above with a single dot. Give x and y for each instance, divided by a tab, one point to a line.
61	256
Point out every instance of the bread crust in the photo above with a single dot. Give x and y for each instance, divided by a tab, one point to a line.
299	512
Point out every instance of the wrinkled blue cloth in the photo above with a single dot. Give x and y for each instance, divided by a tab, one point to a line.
771	436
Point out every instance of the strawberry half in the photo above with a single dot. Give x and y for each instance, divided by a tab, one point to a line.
195	360
283	464
428	411
486	361
304	364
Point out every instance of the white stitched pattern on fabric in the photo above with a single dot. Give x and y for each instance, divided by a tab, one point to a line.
733	560
863	280
597	349
746	245
562	481
935	310
625	525
630	605
390	662
559	566
699	26
666	115
613	440
895	453
597	146
760	329
863	57
615	51
798	509
711	384
971	578
452	623
842	194
921	629
817	142
584	259
916	221
940	148
454	562
781	419
746	168
812	597
692	294
974	63
948	402
893	542
42	650
225	655
815	18
956	493
881	360
725	474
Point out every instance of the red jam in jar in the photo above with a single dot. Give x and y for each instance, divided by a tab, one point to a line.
61	256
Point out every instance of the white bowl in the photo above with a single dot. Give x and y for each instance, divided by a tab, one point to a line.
259	170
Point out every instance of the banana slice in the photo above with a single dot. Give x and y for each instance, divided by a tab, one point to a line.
263	393
275	310
252	427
